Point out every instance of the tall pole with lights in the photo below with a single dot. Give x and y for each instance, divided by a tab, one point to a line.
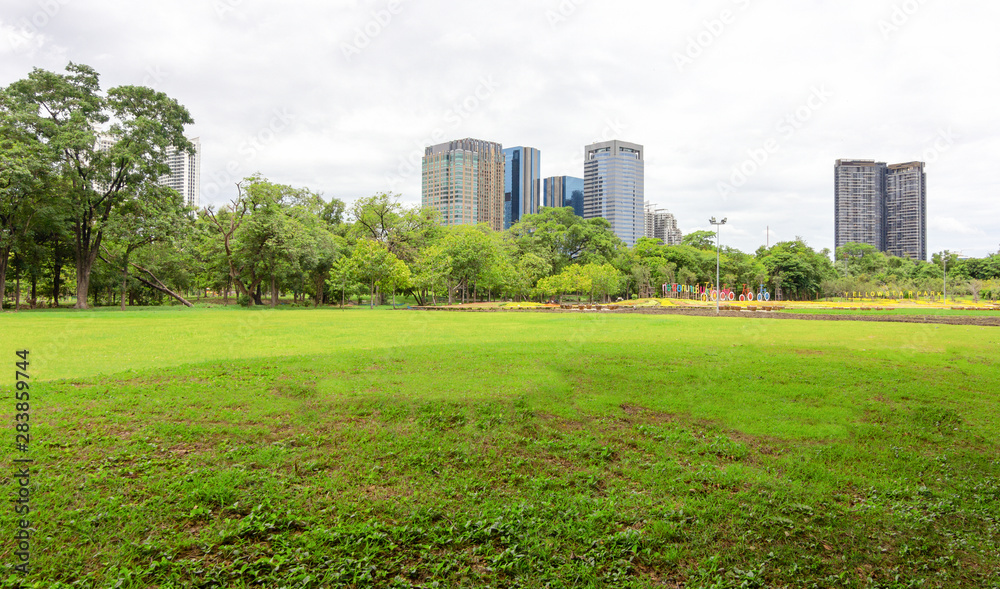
718	232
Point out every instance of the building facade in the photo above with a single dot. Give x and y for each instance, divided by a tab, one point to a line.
662	225
463	180
882	205
185	173
522	183
906	211
564	191
859	203
613	176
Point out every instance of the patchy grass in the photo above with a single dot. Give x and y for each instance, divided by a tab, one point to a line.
404	449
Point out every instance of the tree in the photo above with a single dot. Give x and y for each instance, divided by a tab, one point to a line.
141	220
24	176
375	265
102	169
701	239
560	236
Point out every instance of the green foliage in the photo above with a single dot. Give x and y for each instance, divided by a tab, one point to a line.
701	239
63	114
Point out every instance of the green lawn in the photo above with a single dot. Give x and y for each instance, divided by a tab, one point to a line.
328	448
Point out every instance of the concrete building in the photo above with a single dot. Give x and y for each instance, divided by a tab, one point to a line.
906	211
185	173
662	225
464	181
882	205
859	202
522	190
613	175
564	191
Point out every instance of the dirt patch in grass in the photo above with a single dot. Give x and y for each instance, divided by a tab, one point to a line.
647	415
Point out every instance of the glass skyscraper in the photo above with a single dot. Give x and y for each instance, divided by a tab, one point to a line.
521	184
564	191
613	173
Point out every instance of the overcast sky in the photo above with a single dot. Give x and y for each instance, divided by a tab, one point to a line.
743	106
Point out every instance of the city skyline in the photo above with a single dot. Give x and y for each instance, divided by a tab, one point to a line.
741	106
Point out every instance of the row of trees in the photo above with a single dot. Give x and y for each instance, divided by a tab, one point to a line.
82	213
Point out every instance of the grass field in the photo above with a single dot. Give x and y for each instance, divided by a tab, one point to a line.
328	448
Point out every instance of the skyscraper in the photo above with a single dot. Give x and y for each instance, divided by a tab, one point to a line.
613	187
522	183
906	211
185	173
859	202
883	206
662	225
564	191
464	181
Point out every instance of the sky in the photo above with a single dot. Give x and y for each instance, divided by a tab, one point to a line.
743	106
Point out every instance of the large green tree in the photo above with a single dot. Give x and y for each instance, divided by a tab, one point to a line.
106	145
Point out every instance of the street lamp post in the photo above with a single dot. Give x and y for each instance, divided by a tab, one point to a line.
718	232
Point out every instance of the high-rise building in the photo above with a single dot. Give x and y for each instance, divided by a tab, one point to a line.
906	211
662	225
522	183
859	202
564	191
185	173
463	180
613	187
883	206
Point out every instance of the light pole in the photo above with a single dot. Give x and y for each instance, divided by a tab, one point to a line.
718	232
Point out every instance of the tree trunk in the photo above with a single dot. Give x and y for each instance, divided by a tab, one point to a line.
17	288
4	258
56	275
124	280
371	297
82	288
274	292
34	290
159	286
451	294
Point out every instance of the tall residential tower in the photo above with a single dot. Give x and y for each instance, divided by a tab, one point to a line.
906	211
185	173
613	187
464	181
883	206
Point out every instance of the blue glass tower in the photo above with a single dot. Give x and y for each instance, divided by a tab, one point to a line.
521	183
564	191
